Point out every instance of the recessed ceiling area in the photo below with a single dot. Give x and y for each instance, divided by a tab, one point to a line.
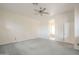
27	9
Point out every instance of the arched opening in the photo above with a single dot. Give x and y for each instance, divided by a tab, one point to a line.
52	29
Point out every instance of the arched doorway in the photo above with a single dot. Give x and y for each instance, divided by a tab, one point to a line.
52	29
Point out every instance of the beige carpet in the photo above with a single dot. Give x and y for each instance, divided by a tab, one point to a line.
38	47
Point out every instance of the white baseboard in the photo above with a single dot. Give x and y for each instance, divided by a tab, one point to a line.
3	43
65	42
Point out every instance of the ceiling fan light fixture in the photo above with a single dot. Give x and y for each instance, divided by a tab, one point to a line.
41	11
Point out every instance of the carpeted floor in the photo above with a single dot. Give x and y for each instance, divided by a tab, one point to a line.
38	47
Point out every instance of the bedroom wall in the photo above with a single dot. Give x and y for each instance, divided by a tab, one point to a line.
76	28
44	30
66	18
65	27
15	27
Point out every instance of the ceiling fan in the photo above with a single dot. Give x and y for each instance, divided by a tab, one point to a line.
41	11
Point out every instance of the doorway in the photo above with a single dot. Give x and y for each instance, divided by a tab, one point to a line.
52	30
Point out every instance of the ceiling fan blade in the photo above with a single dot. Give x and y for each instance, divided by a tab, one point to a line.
45	13
44	9
40	8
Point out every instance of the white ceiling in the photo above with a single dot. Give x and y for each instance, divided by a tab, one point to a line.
27	9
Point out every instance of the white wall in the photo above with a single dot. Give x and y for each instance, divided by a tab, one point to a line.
66	18
64	27
76	28
15	27
44	30
59	27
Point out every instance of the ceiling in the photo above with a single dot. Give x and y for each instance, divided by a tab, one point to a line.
27	9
